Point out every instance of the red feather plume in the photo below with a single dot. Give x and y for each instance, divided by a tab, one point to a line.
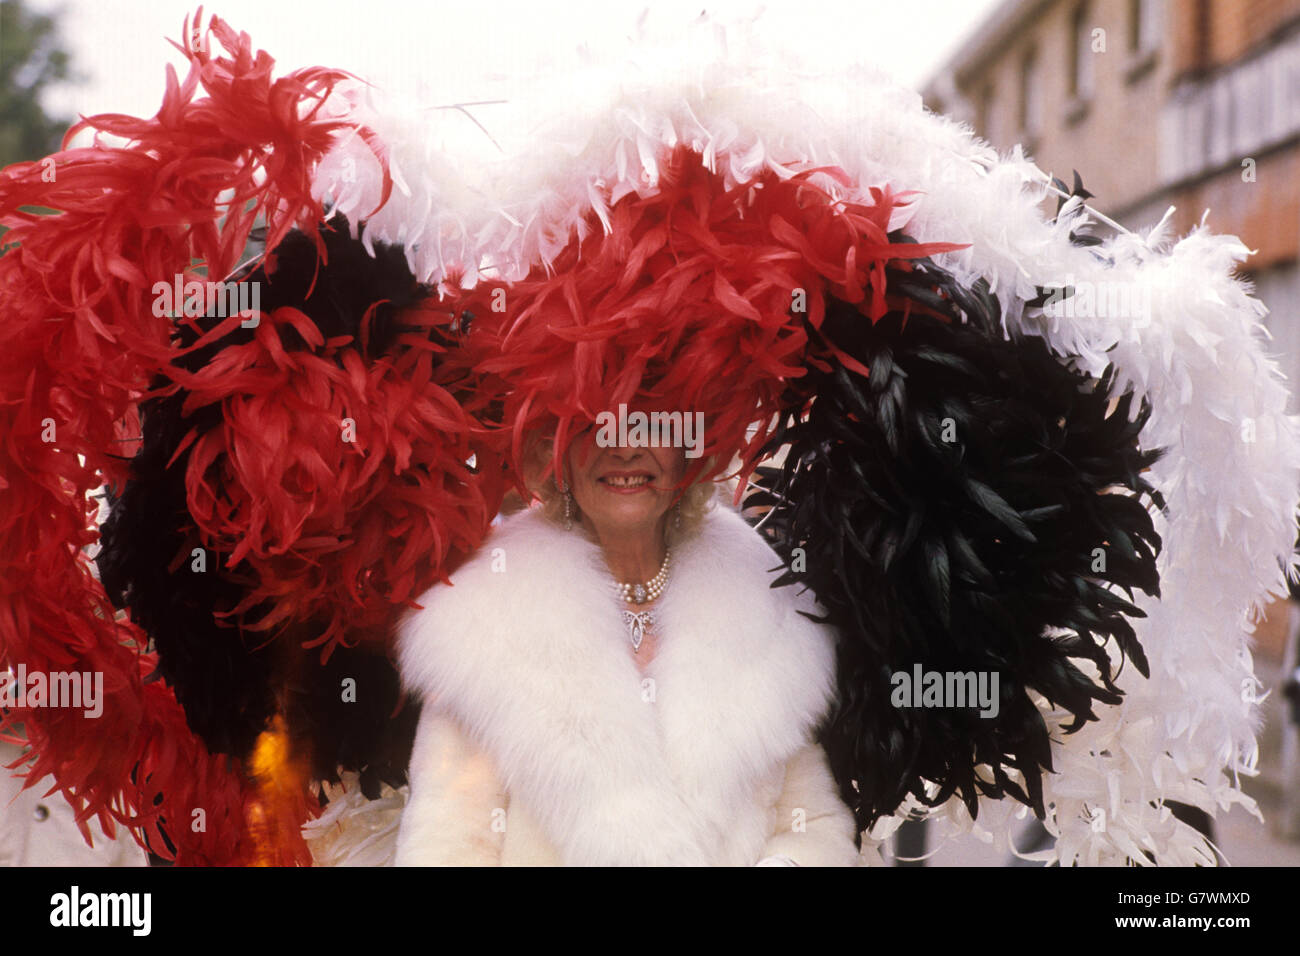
81	343
688	301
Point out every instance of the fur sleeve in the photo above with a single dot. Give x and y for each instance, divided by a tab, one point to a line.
455	795
813	826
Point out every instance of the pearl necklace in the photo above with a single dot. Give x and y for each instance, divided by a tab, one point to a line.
645	593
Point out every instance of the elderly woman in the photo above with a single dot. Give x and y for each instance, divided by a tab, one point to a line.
610	680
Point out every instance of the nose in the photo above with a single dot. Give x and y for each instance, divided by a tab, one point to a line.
625	453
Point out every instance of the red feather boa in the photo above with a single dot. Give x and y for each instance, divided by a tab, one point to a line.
81	344
339	530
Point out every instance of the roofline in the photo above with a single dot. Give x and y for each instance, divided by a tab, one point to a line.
985	42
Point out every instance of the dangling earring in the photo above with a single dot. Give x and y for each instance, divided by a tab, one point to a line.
568	507
677	517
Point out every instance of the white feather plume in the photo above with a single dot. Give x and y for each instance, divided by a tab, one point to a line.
354	830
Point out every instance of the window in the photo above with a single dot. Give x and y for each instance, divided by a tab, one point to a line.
1080	53
1030	115
984	112
1141	26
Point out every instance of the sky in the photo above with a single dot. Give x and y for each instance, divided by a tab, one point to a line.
450	50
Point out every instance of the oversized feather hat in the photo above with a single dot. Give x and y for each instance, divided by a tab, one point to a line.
989	437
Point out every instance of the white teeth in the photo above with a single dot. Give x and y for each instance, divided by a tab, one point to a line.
619	481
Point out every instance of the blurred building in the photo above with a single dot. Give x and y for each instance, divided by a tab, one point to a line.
1158	103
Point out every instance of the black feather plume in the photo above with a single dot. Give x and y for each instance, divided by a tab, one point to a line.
958	506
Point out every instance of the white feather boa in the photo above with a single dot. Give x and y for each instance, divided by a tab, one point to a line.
1231	470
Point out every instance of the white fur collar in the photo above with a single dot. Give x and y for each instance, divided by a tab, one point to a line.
527	650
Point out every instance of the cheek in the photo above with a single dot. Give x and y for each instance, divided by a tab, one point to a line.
672	464
579	459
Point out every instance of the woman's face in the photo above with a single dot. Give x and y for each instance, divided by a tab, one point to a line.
622	490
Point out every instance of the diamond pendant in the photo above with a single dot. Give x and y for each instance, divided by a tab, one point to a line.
638	622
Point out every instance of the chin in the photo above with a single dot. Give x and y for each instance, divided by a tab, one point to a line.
629	515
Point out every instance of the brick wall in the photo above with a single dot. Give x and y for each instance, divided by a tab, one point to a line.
1265	213
1235	27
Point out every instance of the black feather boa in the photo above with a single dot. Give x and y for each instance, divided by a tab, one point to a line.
967	499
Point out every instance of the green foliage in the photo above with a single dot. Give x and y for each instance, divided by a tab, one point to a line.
32	60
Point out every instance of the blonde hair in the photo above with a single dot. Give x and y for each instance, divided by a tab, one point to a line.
697	500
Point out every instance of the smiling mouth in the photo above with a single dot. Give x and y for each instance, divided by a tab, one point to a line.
625	481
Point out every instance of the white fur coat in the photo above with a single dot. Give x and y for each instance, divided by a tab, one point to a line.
540	742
